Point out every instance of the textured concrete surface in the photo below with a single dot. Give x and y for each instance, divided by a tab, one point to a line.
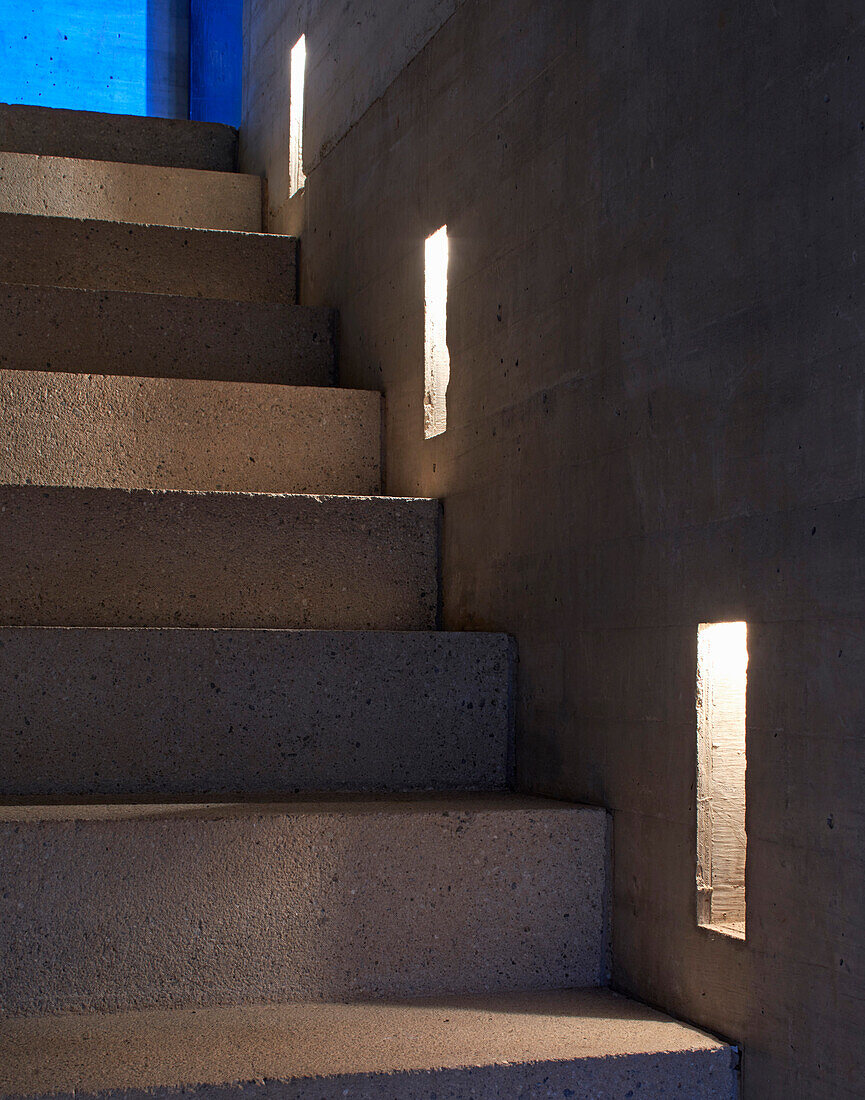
131	139
167	433
655	419
115	557
150	712
338	89
115	332
135	905
72	188
574	1043
156	259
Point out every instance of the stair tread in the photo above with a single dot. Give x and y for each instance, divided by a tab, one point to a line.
590	1029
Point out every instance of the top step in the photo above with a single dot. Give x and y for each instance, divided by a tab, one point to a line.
130	139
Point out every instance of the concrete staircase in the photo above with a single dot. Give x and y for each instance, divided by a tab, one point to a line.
256	831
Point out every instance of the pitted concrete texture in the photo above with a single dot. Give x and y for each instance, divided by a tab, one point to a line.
571	1043
153	712
655	420
167	433
132	139
116	557
120	906
72	188
155	259
116	332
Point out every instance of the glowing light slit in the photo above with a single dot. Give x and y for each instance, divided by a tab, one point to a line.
722	663
296	178
437	363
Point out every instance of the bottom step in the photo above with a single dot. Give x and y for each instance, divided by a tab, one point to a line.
579	1043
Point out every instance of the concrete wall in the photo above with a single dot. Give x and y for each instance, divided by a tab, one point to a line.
656	418
355	49
97	55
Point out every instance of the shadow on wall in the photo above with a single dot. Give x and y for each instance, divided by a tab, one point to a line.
168	58
215	59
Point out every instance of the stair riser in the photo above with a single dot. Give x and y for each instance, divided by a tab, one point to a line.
66	187
108	557
180	908
153	259
132	139
145	335
156	433
147	712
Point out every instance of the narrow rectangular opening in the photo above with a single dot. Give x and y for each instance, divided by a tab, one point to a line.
437	362
296	178
722	664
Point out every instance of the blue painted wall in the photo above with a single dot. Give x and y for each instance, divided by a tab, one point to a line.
215	60
120	56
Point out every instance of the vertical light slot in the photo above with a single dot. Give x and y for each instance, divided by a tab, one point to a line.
296	178
437	361
722	667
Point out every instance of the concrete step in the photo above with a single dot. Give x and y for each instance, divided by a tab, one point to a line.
157	259
112	907
567	1043
131	139
116	332
115	557
69	187
169	433
155	712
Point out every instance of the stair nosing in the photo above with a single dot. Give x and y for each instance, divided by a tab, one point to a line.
380	499
48	219
134	165
64	809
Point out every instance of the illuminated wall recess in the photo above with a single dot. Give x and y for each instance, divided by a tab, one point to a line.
296	178
437	361
722	664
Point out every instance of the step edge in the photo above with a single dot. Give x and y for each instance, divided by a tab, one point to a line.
379	499
27	812
246	178
96	378
122	117
326	313
98	224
